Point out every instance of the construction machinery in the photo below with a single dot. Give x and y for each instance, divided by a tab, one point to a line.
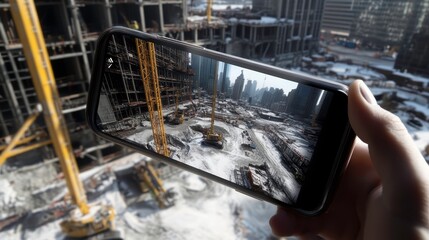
85	220
149	180
211	138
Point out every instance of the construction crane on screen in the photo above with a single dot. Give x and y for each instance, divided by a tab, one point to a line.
147	175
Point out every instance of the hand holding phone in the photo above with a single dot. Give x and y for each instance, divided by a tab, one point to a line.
273	134
383	193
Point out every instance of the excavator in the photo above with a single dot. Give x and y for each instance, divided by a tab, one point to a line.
149	180
86	220
211	138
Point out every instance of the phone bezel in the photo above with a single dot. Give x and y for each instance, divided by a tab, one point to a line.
339	153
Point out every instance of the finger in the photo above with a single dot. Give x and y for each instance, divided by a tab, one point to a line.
282	223
399	163
286	222
356	183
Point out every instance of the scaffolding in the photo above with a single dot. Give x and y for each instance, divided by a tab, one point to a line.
288	30
71	30
125	92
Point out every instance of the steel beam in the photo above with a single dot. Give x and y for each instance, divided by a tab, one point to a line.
15	140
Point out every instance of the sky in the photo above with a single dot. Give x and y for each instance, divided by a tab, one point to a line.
262	79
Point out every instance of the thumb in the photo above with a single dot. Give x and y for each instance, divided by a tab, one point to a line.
402	168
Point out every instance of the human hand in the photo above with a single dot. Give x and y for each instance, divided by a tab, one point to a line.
384	192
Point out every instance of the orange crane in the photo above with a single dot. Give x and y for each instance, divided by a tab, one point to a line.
212	138
85	220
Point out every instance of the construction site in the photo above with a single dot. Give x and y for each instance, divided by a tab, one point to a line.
164	100
54	170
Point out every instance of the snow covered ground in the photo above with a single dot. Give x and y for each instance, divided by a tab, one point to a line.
202	210
187	147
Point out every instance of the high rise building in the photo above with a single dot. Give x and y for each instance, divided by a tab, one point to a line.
204	70
238	87
375	24
253	89
338	17
414	54
273	99
247	90
302	101
223	83
393	22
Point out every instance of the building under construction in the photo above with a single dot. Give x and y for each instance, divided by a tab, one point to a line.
70	29
278	32
119	113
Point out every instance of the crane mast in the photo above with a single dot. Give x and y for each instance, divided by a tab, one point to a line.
211	138
31	36
209	10
149	74
211	132
146	174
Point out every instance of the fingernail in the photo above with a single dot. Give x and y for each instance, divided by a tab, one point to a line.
366	93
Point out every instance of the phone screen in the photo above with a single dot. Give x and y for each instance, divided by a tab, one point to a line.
252	129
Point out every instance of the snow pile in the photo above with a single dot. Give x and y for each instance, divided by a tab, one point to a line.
421	139
194	183
262	21
208	211
412	77
9	200
221	7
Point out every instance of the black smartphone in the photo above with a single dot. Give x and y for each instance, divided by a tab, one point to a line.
270	133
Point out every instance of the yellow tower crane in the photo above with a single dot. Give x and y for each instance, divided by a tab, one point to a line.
84	221
212	138
146	174
149	73
209	11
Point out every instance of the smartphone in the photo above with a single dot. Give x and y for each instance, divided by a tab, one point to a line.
273	134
